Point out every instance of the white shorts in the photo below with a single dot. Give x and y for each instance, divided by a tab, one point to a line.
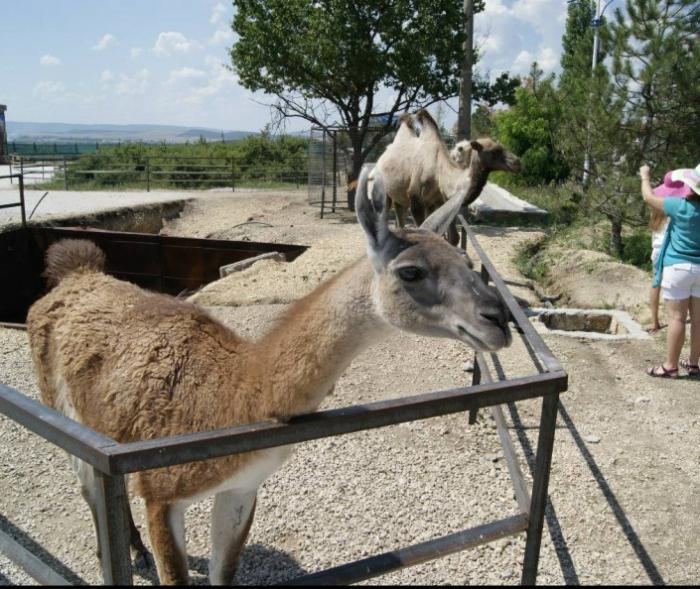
681	281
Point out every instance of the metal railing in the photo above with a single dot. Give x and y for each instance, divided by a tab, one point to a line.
20	203
112	460
152	172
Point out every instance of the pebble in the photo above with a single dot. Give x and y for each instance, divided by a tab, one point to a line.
592	439
642	400
468	366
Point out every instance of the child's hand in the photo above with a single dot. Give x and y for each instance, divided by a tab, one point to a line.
645	172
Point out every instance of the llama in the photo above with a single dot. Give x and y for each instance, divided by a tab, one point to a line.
138	365
420	173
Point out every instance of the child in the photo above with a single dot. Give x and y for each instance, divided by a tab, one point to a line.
658	223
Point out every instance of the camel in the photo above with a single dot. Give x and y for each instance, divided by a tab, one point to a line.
420	173
137	365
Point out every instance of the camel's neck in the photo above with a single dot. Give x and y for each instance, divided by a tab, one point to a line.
453	178
479	177
313	343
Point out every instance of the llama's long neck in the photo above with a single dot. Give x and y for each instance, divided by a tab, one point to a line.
315	341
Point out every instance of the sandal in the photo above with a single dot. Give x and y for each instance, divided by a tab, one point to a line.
693	369
662	372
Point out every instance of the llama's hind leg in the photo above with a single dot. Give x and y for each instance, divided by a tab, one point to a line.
230	523
86	477
166	529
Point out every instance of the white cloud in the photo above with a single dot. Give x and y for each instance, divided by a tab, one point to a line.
135	52
187	75
106	41
221	37
192	86
49	90
106	76
218	13
49	60
132	85
512	35
173	42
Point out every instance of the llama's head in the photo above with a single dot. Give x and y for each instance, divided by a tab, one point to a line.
491	155
424	285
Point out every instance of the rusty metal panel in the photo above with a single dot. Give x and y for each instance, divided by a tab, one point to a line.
156	262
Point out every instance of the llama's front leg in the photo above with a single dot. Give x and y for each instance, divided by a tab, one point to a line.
230	523
166	529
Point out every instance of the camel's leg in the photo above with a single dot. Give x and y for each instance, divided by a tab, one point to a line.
230	523
400	211
166	529
417	209
453	233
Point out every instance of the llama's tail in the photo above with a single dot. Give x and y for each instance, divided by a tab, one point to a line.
72	255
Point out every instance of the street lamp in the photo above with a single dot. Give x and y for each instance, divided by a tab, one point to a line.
595	23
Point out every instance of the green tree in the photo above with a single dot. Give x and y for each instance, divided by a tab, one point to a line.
325	61
527	129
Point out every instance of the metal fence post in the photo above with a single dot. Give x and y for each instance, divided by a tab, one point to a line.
113	528
233	176
540	484
65	174
148	174
21	200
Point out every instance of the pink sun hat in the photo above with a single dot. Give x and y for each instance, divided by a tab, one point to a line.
690	177
673	187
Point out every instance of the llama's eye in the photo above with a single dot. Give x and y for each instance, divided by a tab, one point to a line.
411	273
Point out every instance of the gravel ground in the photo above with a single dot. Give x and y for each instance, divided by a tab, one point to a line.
624	485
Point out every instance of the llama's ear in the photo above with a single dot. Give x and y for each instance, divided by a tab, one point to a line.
373	215
476	146
440	220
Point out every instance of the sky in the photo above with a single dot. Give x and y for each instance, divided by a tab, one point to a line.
163	61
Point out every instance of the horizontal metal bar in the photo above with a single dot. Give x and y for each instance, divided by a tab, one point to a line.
147	454
550	362
11	205
76	438
520	487
37	569
381	564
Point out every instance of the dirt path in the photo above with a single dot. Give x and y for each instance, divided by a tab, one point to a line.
624	486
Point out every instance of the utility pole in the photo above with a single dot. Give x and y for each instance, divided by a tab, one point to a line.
464	118
597	21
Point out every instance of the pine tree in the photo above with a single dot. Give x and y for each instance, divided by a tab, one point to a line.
656	61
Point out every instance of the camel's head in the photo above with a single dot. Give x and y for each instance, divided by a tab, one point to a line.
424	285
491	154
461	154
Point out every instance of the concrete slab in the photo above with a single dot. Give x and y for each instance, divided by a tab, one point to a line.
59	203
497	204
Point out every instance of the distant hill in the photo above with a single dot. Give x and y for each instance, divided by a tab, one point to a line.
69	133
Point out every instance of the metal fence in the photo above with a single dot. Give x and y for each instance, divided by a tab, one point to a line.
66	148
111	461
147	172
330	162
